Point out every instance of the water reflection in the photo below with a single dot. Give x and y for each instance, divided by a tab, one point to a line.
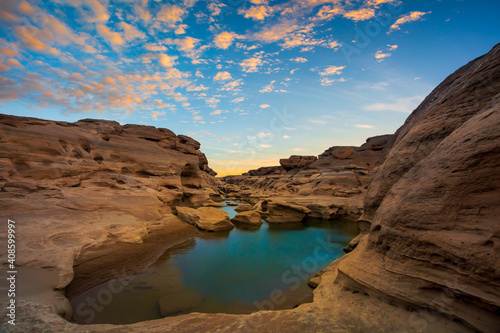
231	272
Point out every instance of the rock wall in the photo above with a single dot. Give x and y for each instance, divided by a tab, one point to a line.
76	188
432	211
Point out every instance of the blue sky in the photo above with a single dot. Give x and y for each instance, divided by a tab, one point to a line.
253	81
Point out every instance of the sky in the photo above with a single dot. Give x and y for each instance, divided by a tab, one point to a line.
252	80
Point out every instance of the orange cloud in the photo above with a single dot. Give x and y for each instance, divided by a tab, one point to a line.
413	16
360	14
222	76
30	37
256	12
111	37
224	39
14	63
332	70
130	32
251	65
26	9
276	32
8	52
167	61
170	14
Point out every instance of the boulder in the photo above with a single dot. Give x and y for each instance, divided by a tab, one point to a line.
243	207
205	218
296	161
286	213
247	217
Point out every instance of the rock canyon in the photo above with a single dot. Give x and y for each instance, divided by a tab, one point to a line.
93	198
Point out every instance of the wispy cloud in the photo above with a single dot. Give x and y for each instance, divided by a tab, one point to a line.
413	16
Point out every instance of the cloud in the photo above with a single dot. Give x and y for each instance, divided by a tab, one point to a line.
263	145
170	14
364	126
268	88
413	16
26	9
224	39
332	70
299	59
360	14
167	61
275	33
256	12
112	37
30	37
392	47
380	56
143	13
286	137
264	106
263	135
238	100
405	105
130	32
222	76
155	114
251	65
216	112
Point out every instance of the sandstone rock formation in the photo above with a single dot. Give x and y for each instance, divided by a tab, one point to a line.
82	191
281	212
330	186
247	217
296	161
206	218
428	260
243	208
432	210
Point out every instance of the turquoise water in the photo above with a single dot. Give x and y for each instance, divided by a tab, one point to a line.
240	271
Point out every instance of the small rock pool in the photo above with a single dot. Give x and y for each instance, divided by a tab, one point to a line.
238	271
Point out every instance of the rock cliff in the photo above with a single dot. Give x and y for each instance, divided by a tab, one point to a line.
432	210
76	188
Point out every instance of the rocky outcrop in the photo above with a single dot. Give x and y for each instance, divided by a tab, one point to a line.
432	210
82	192
243	208
296	161
264	171
336	180
205	218
281	212
339	172
247	217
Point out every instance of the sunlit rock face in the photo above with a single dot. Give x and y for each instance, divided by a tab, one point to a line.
433	206
76	187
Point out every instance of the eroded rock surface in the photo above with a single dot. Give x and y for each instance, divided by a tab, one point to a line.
206	218
433	207
80	192
247	217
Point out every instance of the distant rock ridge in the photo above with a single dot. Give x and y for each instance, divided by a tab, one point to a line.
339	171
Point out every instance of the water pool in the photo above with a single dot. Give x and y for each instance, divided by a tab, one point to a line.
239	271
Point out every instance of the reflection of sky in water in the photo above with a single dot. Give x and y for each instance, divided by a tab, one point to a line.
231	270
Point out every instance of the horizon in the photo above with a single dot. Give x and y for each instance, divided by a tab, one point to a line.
252	81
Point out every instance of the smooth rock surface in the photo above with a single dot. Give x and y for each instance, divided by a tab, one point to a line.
247	217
